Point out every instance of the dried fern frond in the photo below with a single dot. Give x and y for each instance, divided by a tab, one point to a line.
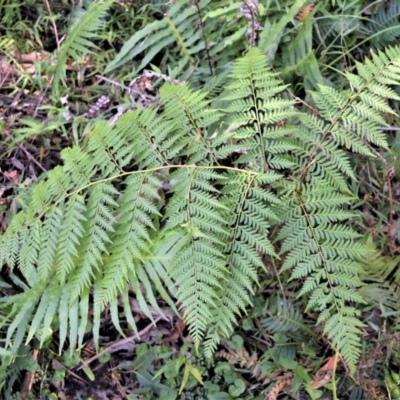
244	360
305	12
283	383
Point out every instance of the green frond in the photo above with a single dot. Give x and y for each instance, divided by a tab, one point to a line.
284	317
45	313
331	102
141	133
344	331
177	28
78	164
28	253
64	315
71	233
249	219
130	241
22	307
110	150
191	138
199	265
383	27
49	238
79	38
323	252
376	102
97	229
252	108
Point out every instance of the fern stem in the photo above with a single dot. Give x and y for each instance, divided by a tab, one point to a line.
257	112
200	22
148	171
334	394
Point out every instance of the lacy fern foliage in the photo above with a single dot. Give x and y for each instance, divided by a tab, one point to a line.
178	202
383	25
78	41
179	28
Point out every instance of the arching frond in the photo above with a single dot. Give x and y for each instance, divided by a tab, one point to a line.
78	41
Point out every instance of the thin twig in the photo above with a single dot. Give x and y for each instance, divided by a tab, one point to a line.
390	128
114	347
29	155
104	78
42	96
196	3
54	25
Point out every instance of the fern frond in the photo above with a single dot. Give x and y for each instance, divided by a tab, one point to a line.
249	219
176	28
324	253
22	308
78	40
130	241
200	264
320	248
71	233
141	133
283	317
49	236
97	229
191	138
252	109
383	26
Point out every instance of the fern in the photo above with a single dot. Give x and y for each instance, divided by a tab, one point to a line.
320	248
78	41
177	28
383	277
206	46
383	26
101	225
284	317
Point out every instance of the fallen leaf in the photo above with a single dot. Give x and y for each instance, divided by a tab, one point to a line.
324	374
